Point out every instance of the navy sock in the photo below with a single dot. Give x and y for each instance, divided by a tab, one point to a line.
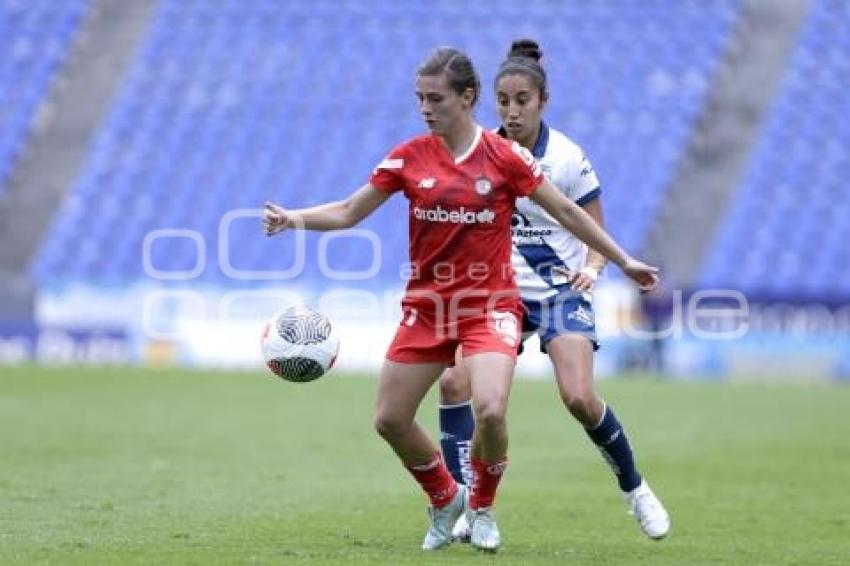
611	440
456	427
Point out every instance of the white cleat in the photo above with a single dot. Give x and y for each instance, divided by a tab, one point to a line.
461	531
649	512
443	519
485	533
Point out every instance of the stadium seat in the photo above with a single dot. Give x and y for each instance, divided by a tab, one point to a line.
796	184
230	103
35	37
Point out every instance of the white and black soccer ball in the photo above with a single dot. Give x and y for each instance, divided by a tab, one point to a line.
299	344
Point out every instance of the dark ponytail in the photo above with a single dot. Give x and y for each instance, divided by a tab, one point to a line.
524	59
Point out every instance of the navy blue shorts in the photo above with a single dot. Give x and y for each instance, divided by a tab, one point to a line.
565	313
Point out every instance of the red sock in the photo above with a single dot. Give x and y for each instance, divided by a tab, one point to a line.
485	480
436	481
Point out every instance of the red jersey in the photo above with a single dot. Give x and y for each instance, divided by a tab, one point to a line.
460	215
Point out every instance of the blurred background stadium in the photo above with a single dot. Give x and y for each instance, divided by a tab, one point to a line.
139	139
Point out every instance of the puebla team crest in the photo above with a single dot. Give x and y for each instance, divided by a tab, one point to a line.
483	186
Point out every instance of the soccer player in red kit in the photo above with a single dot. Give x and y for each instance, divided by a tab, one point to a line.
462	183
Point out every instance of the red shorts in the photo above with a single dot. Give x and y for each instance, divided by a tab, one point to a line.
421	338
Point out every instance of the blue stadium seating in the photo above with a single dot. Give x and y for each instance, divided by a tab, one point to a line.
34	39
786	233
233	102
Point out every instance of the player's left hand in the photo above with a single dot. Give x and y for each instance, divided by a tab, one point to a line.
644	275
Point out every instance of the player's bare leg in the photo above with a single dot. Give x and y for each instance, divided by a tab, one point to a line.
401	389
491	374
572	358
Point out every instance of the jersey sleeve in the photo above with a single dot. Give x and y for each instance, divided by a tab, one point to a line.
584	186
387	176
523	171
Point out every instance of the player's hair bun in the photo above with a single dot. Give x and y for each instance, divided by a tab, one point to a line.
526	48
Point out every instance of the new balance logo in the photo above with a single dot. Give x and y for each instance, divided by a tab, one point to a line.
459	216
427	183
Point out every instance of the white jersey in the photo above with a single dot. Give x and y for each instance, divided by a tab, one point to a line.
539	241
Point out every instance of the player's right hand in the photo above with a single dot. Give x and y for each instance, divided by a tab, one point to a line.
644	275
579	281
275	219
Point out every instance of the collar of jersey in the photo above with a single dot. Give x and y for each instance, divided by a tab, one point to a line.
477	138
539	149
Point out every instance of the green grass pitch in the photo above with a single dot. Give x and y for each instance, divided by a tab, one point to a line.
115	466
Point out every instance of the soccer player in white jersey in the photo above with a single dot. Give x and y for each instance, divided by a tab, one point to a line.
556	273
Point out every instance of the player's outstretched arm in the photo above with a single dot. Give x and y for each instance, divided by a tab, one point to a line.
329	216
580	223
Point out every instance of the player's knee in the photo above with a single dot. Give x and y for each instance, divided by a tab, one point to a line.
581	405
454	388
490	414
388	425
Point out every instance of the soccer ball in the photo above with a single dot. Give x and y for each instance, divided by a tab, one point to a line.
299	344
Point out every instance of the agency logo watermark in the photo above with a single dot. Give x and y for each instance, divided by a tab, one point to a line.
717	314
